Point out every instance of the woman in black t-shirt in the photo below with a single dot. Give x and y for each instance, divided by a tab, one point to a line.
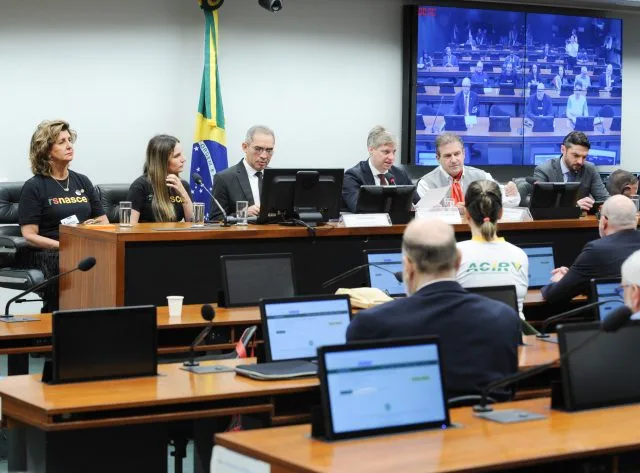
54	195
159	195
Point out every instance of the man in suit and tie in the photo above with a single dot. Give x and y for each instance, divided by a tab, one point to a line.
478	336
378	170
466	102
449	60
572	166
600	258
607	81
244	180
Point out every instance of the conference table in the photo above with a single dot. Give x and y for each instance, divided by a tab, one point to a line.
147	262
125	424
594	440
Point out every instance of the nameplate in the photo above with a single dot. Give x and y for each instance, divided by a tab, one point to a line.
516	214
366	220
224	460
448	215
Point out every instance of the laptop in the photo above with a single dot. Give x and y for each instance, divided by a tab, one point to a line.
543	124
616	124
377	277
244	286
454	123
584	124
603	372
382	387
605	290
541	263
500	124
293	329
446	89
507	89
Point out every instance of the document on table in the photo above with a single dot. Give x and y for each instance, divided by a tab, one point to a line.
432	198
224	460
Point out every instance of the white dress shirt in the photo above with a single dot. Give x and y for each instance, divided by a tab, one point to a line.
375	173
253	182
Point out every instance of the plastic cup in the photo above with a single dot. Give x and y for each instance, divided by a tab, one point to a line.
175	305
125	213
198	214
242	212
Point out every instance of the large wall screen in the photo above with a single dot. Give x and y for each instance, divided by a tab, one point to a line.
513	83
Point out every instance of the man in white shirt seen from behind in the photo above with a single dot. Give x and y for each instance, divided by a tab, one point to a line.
454	174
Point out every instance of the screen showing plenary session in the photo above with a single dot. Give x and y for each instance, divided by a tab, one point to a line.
512	82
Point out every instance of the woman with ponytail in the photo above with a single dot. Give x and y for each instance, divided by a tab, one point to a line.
159	195
488	260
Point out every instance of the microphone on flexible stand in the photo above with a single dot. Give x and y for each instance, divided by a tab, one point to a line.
197	178
84	265
348	273
433	125
390	179
208	313
570	313
612	323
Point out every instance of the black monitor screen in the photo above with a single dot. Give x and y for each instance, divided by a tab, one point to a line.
393	200
92	344
249	278
555	200
506	294
603	371
478	63
299	193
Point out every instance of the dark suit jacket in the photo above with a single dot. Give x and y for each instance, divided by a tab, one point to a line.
230	186
590	181
602	82
453	62
458	104
600	258
478	336
360	175
536	108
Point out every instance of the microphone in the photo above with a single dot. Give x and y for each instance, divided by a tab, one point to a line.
84	265
342	276
571	313
390	179
433	125
197	178
615	321
208	313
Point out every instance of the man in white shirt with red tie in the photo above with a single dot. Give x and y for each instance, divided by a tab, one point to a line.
466	101
378	170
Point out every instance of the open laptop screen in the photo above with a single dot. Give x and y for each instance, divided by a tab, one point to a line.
383	386
606	290
541	263
294	328
381	279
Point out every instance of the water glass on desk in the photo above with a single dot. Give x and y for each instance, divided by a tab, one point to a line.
125	213
636	200
198	214
242	212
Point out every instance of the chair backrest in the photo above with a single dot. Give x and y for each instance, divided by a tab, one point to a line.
525	189
110	196
9	200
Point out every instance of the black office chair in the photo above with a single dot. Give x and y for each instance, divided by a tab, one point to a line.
525	189
12	243
111	195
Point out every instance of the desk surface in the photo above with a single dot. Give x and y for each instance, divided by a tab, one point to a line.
477	446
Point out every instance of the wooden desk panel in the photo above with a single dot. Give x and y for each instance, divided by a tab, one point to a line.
477	446
134	265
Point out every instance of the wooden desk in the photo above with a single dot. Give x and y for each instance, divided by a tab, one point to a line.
478	445
143	264
124	425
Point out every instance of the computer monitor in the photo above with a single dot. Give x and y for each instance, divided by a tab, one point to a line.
541	263
584	124
310	195
455	123
603	372
555	200
593	91
566	90
542	124
248	278
506	294
391	260
92	344
500	124
394	200
507	89
616	124
295	327
606	290
446	89
381	387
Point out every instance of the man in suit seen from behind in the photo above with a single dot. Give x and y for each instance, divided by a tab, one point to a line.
244	180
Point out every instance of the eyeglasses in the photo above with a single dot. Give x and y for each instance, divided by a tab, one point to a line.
260	150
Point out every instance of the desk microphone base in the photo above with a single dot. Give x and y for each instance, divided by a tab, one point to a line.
510	416
9	319
207	369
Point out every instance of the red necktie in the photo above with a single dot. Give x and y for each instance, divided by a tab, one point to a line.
456	190
383	180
